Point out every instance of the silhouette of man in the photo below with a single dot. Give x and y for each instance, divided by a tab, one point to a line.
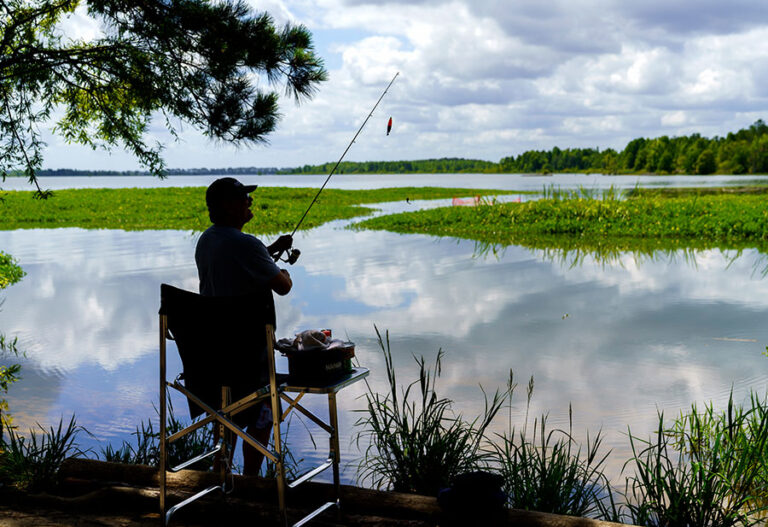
233	263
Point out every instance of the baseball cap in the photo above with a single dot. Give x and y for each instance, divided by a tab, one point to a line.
226	188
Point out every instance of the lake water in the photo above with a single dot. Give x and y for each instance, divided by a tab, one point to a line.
619	340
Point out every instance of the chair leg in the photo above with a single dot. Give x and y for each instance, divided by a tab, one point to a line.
334	444
279	465
163	410
225	454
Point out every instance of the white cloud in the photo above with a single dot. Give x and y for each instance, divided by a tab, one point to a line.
489	79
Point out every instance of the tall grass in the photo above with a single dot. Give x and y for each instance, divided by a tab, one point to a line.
32	462
547	471
557	193
707	470
416	443
145	448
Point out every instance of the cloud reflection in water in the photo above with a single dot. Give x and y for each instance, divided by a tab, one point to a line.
615	340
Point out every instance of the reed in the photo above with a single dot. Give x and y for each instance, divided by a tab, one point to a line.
547	471
32	463
145	448
557	193
415	442
707	470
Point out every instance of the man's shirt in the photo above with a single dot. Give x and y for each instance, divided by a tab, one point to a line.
232	263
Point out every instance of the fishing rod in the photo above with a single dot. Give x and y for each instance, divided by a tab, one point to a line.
293	254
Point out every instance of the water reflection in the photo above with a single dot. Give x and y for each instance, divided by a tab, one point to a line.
618	337
572	253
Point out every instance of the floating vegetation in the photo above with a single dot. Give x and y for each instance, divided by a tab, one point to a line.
276	209
647	222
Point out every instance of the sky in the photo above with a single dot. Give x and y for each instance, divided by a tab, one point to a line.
486	79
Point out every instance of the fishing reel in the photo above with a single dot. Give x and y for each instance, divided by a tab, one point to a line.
291	257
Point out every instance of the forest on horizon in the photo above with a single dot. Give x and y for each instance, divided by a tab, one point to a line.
742	152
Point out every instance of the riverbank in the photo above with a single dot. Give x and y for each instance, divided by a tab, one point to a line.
95	493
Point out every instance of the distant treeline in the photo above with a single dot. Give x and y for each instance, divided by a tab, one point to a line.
170	172
444	165
742	152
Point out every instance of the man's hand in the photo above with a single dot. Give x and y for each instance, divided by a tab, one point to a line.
283	243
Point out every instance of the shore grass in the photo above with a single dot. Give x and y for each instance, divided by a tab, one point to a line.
276	209
652	221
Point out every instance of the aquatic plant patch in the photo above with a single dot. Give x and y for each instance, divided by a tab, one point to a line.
276	209
705	220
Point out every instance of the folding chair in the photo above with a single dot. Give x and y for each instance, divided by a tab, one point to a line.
227	342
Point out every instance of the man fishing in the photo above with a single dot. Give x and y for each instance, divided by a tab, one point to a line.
232	263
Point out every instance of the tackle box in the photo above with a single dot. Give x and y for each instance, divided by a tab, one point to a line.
318	366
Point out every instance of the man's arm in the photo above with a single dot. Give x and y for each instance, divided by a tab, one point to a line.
281	283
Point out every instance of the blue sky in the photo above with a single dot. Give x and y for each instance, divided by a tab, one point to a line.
492	78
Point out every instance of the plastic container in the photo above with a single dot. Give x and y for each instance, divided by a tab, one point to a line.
315	367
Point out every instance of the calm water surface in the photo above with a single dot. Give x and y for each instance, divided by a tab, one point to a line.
619	340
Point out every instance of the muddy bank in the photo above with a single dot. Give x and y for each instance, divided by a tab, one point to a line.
94	493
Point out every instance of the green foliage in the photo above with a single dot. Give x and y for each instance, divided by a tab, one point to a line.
276	209
743	152
146	447
416	443
10	272
708	470
548	472
422	166
650	222
32	462
196	61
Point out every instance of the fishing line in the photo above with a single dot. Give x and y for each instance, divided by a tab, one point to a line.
293	254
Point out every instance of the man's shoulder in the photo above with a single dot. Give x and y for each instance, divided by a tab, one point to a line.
229	239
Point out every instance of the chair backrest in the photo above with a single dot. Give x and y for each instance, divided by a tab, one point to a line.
221	341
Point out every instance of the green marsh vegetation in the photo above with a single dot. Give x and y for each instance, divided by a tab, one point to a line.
144	449
32	462
276	209
706	468
602	223
415	442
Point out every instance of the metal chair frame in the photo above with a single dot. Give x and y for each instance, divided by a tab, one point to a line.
278	388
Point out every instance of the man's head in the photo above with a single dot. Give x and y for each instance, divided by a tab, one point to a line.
228	202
